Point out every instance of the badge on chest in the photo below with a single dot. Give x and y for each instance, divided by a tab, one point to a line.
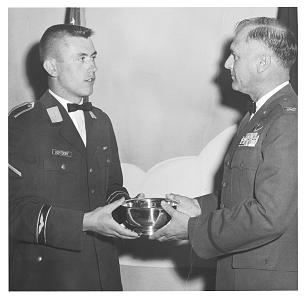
250	140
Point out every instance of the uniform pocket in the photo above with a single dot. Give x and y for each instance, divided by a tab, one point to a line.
244	166
60	165
264	257
245	158
63	179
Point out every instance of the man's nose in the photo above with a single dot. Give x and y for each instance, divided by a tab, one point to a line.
93	66
229	62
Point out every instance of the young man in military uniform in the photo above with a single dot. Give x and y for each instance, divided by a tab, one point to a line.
65	177
253	232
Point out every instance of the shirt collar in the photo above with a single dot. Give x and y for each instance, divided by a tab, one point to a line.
62	100
268	95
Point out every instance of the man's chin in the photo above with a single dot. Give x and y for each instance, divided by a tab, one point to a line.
235	86
87	94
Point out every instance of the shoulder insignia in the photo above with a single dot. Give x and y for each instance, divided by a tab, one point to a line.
20	109
290	108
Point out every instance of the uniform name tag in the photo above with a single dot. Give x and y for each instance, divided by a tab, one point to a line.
250	139
61	153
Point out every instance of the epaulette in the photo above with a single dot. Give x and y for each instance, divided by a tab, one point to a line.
287	106
20	109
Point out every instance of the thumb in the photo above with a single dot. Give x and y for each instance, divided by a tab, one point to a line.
115	204
176	197
168	208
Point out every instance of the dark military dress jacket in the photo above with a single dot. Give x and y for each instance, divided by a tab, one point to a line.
253	232
53	180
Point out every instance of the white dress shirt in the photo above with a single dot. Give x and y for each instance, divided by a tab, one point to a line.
77	117
268	95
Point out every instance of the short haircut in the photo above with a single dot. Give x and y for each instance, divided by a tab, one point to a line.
275	35
57	32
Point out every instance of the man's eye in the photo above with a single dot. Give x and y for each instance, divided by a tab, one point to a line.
82	59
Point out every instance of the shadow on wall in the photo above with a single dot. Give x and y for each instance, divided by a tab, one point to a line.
228	96
36	74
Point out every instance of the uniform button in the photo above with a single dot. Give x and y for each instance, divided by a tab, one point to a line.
265	112
63	166
90	170
241	164
92	191
224	184
105	147
222	205
39	259
108	160
228	163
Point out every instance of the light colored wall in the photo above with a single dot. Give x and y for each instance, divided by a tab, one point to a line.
156	77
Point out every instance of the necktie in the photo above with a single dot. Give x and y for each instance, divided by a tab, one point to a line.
251	107
87	106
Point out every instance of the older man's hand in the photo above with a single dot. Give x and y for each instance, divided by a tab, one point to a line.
186	205
175	229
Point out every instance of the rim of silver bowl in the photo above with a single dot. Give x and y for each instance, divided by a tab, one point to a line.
154	202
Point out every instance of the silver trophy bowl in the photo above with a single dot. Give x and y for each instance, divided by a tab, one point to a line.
143	215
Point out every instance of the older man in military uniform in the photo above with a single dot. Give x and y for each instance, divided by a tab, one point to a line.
253	232
65	177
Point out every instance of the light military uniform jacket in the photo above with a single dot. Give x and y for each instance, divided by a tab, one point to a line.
53	180
253	233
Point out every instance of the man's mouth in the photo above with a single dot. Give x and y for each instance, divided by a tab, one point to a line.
91	80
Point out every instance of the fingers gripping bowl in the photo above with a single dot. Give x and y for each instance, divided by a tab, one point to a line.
143	215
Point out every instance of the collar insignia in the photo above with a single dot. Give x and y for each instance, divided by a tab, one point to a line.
92	115
54	114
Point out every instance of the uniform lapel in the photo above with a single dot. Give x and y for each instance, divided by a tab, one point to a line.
97	132
66	127
240	131
93	132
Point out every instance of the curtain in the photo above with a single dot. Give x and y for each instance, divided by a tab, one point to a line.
288	15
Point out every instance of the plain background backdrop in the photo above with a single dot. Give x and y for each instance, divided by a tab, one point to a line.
160	73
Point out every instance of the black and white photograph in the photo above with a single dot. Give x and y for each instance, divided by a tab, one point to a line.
153	148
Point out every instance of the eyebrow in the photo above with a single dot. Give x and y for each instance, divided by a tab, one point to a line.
86	54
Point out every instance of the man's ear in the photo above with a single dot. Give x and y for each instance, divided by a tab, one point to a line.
50	66
264	63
